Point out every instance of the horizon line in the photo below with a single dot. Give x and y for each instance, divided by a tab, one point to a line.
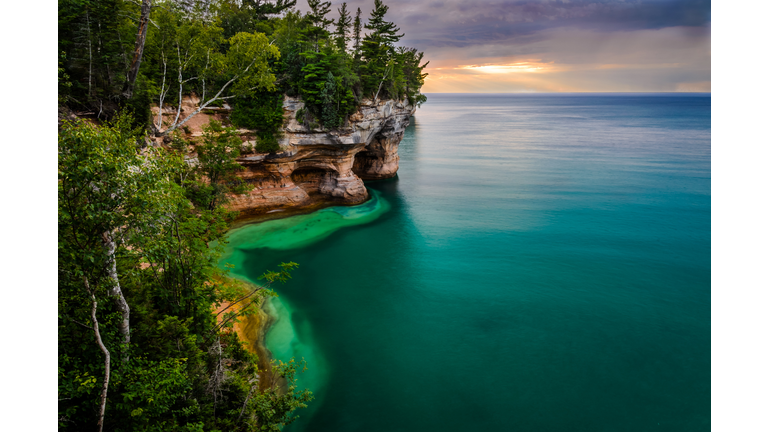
556	92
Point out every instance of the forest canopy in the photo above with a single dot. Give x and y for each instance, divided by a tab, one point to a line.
131	54
145	312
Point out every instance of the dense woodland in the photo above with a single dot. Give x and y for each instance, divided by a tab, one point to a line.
145	313
126	55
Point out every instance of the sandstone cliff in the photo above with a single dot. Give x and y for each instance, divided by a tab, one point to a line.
316	166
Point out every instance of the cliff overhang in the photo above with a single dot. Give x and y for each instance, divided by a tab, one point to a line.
316	167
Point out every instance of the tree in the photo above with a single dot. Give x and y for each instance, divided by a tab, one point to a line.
411	69
193	48
95	57
138	50
383	32
102	180
317	29
326	86
342	28
318	11
249	16
378	49
187	369
264	113
356	32
217	166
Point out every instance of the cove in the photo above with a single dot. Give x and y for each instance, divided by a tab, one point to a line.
252	248
544	264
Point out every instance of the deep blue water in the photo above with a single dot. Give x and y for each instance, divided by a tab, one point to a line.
541	263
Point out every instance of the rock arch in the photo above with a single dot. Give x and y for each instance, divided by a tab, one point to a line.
315	180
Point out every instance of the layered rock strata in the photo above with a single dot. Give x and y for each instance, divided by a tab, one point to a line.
316	166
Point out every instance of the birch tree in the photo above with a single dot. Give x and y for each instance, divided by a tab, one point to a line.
97	172
194	55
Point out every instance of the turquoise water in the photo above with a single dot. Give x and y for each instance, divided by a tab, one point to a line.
541	263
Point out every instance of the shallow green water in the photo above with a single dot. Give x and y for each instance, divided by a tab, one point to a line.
540	263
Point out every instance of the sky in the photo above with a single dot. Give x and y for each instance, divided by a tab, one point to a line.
498	46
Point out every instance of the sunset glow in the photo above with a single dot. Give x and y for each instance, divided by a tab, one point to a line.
488	46
504	69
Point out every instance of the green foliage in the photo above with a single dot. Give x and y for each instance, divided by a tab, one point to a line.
264	113
356	31
343	25
152	394
249	16
325	86
215	176
300	115
247	59
273	405
91	36
316	16
241	51
283	275
378	50
64	83
186	369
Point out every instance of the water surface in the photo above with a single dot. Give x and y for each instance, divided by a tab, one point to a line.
541	263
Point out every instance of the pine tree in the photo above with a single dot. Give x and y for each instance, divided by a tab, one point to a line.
356	31
384	32
342	27
378	50
317	30
318	12
330	116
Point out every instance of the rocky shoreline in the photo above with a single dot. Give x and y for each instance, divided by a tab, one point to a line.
316	167
253	330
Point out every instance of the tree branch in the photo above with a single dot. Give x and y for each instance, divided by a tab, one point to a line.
105	386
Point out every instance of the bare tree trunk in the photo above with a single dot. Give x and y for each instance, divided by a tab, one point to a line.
201	107
217	378
384	78
246	402
163	92
104	349
124	326
138	51
181	83
90	52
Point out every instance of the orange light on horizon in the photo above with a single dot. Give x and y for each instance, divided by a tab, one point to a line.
527	67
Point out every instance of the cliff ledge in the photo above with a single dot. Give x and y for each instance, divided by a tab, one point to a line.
316	166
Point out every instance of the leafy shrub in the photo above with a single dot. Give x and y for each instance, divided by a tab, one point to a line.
263	113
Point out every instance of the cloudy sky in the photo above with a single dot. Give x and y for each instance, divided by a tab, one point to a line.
556	45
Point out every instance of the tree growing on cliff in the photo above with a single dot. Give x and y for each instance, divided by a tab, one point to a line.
226	52
187	370
192	49
215	176
103	185
378	49
343	25
356	37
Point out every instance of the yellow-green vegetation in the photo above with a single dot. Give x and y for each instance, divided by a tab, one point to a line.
145	313
243	53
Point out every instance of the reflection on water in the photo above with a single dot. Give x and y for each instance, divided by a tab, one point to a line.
544	265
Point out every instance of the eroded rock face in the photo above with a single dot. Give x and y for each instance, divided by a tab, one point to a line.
317	166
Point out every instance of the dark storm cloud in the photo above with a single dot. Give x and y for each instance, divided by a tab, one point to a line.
461	23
